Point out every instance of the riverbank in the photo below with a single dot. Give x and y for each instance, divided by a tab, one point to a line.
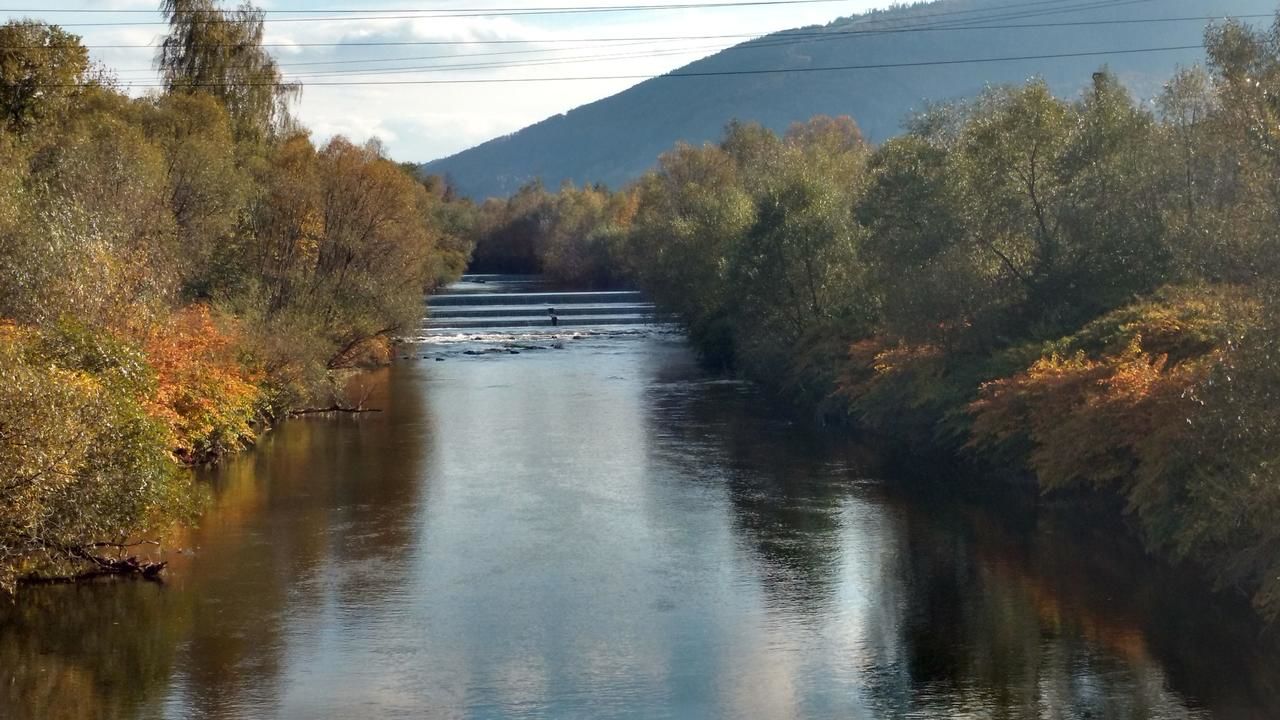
607	531
179	269
1077	291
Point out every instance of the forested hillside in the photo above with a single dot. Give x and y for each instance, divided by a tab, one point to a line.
614	140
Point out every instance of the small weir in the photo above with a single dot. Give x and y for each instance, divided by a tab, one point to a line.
505	302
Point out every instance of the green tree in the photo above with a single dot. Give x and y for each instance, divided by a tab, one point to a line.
798	265
934	282
692	210
1246	63
1115	246
510	235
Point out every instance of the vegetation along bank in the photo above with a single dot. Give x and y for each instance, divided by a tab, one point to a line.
1081	291
178	269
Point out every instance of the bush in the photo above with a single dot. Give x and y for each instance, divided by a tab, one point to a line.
83	461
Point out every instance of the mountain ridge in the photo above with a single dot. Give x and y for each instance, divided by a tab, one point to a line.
614	140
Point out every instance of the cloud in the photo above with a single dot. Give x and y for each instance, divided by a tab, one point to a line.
425	121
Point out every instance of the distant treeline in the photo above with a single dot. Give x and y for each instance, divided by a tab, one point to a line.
176	270
1087	291
573	236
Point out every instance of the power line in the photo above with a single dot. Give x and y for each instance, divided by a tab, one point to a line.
864	19
444	13
672	52
771	71
340	11
787	38
720	73
727	36
450	56
829	34
504	65
782	40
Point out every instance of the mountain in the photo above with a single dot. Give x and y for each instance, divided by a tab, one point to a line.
616	139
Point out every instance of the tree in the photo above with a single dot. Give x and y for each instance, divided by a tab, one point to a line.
1247	65
41	70
1006	160
208	190
92	236
934	283
220	52
797	266
1111	215
344	254
691	211
1195	159
510	235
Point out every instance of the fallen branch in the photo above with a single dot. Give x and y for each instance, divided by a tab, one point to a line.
102	567
332	409
122	546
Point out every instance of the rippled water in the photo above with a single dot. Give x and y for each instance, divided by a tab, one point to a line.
602	531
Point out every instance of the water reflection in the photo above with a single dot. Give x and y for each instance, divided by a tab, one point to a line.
606	532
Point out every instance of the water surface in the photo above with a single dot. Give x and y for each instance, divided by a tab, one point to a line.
604	531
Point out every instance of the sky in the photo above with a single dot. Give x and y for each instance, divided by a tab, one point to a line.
424	122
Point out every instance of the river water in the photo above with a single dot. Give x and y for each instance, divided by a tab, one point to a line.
604	531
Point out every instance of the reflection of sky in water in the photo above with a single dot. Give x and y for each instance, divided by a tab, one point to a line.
602	532
578	561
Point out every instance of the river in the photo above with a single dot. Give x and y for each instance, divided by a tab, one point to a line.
605	531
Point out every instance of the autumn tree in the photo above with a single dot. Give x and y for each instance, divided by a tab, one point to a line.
41	70
208	190
343	251
82	464
219	52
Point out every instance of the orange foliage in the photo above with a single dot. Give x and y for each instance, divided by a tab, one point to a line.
904	389
878	366
205	395
1089	421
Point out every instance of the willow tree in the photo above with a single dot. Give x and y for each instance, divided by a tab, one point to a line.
220	52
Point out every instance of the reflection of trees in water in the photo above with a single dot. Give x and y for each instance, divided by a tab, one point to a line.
337	499
93	651
776	476
1050	620
321	514
1002	614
